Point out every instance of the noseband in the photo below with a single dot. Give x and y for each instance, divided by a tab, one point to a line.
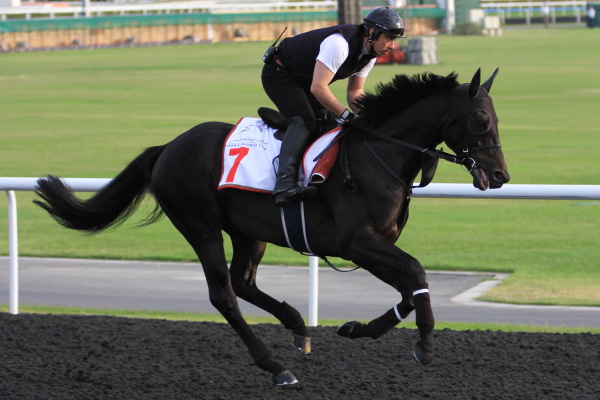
465	158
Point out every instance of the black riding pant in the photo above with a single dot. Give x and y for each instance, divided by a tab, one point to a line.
288	95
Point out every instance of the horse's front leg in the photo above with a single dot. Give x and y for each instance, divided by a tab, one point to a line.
402	271
380	325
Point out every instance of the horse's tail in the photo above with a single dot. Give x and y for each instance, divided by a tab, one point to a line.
110	206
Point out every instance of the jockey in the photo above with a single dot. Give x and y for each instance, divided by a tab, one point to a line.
296	79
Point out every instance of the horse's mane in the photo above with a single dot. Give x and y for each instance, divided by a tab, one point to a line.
401	92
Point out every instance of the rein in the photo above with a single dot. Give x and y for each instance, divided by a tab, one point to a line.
464	160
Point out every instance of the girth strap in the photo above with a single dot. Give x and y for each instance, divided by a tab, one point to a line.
294	228
292	218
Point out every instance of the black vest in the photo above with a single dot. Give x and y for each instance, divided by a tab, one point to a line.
299	53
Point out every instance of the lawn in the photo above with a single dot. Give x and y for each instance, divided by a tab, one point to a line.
88	113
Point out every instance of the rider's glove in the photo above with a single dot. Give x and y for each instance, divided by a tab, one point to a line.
346	116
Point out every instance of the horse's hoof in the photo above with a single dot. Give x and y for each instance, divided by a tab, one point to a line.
353	330
346	329
423	356
301	343
285	378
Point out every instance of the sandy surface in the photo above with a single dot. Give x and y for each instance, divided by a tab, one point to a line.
71	357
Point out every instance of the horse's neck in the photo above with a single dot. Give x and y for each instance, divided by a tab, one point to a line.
420	125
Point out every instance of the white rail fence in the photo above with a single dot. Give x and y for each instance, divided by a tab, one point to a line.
527	10
437	190
88	9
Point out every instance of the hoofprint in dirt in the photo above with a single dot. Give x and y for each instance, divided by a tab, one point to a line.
76	357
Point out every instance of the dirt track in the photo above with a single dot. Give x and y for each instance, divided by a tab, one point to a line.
68	357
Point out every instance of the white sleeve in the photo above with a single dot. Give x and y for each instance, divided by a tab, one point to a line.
363	73
333	52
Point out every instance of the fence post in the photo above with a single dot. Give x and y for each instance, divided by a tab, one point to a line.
13	256
313	291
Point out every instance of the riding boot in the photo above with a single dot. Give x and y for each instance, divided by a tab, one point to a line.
294	143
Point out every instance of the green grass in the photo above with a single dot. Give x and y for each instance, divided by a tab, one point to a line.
88	113
180	316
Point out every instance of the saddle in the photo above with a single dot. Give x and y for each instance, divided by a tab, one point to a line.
275	120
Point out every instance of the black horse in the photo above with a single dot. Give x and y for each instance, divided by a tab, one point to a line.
357	215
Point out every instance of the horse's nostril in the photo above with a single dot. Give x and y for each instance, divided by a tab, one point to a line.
500	176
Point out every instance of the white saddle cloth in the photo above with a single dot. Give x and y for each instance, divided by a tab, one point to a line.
250	157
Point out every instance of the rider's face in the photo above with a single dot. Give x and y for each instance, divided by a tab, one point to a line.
384	44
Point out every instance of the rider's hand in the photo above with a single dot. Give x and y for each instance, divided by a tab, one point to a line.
346	116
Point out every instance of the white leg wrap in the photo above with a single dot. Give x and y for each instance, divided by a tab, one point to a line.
420	291
397	313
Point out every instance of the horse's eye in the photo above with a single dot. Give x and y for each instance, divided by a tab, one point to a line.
480	122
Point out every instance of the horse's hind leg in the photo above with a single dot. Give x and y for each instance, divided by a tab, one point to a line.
222	297
204	235
247	254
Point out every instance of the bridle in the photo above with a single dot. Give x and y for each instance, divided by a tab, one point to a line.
466	151
468	163
463	159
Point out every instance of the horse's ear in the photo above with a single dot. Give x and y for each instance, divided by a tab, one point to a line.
474	87
487	85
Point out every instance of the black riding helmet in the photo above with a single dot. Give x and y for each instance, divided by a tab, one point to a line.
383	20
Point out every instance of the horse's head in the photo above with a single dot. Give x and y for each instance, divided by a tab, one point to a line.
472	133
